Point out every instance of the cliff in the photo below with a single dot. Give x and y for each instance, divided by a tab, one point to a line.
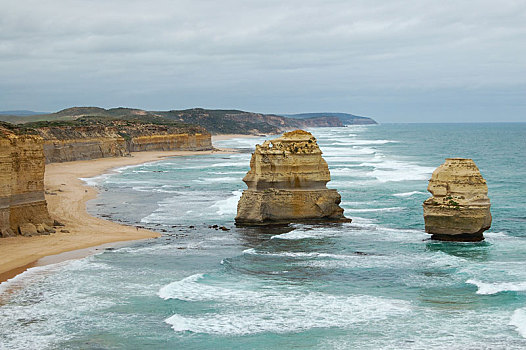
69	143
287	183
23	208
90	138
459	209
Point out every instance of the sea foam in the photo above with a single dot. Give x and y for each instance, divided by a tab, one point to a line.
274	309
227	206
494	288
407	194
518	320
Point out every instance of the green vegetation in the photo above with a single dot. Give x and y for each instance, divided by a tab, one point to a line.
215	121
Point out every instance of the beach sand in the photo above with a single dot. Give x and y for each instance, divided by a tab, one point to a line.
66	199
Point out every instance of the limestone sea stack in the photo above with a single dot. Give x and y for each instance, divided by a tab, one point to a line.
459	209
287	183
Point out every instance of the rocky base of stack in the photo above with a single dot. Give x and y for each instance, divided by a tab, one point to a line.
456	223
279	206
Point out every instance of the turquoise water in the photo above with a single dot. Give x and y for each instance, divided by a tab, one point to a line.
378	282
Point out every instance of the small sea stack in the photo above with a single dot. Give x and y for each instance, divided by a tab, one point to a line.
287	183
459	209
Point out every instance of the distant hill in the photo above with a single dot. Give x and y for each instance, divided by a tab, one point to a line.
215	121
346	118
219	121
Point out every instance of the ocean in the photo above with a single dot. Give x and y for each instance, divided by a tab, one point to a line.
376	283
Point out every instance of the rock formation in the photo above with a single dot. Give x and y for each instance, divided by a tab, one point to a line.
287	183
459	209
23	208
69	143
170	142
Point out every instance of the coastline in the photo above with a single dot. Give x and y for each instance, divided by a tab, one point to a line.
66	196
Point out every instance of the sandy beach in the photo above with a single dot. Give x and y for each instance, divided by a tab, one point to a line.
66	197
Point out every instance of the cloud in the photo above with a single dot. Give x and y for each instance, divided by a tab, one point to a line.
357	56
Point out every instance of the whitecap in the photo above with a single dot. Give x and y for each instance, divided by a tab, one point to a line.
244	311
211	180
227	164
228	205
494	288
252	251
362	142
307	234
367	210
166	291
518	320
408	194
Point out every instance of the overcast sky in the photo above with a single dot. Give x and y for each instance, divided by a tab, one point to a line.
397	61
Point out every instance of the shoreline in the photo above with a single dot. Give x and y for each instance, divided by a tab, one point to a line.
66	197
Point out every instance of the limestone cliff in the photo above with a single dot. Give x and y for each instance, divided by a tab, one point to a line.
287	183
68	143
117	138
459	209
23	207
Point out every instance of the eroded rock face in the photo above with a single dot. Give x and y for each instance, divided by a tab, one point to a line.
459	209
21	183
287	183
70	143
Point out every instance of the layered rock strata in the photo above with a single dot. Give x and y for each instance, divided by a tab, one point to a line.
65	144
459	209
287	183
23	208
69	143
170	142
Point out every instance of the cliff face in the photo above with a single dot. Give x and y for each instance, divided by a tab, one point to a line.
64	144
23	207
459	209
69	143
287	183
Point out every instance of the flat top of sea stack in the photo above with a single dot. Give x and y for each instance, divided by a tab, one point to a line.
300	135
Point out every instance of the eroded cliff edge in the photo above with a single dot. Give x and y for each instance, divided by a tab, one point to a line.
91	138
287	183
23	208
459	209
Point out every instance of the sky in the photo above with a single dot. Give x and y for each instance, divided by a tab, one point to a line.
396	61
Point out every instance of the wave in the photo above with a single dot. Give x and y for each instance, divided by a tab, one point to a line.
241	310
408	194
217	180
331	152
227	164
307	234
494	288
226	172
362	142
367	210
228	205
252	251
387	170
518	320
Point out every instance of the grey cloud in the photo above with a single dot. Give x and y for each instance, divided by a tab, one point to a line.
372	57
